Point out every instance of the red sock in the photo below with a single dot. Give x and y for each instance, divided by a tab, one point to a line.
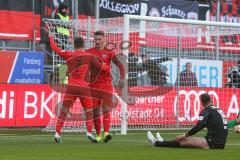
106	121
89	120
60	122
97	124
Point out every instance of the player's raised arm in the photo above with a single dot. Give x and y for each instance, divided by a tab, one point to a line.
56	49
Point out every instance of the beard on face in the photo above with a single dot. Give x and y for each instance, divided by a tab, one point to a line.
64	13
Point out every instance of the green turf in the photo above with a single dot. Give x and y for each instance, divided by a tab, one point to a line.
33	145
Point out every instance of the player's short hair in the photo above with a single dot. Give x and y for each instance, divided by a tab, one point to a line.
205	98
62	6
99	33
78	42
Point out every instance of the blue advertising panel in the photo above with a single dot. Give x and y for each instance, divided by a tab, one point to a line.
28	68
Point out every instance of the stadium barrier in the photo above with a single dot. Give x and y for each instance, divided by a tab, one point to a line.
31	105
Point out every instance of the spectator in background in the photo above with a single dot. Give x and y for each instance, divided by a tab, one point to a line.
62	31
133	69
234	76
187	77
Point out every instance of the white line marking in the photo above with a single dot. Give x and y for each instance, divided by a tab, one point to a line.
44	137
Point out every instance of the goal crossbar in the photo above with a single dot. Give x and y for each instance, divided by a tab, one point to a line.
128	17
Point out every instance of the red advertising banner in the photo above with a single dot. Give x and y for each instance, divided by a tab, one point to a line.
162	109
7	59
25	105
11	20
32	105
8	94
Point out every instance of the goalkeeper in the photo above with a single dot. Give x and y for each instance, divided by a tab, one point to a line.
212	118
78	62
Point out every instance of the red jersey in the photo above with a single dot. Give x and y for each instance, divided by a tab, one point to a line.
105	56
77	74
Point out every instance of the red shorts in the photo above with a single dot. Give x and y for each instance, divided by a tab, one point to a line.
87	102
103	87
103	93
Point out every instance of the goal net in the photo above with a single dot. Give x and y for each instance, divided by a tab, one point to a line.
175	62
170	64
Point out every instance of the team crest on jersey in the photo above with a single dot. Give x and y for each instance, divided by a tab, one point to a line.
104	56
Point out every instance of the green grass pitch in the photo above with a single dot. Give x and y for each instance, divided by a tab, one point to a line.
33	145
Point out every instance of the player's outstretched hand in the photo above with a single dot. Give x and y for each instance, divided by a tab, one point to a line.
180	137
121	84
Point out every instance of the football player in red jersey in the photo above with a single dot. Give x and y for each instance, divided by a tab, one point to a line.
76	80
104	83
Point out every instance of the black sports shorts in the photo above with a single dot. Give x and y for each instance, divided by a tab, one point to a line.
213	145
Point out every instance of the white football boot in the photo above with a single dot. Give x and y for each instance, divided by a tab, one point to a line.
151	138
159	138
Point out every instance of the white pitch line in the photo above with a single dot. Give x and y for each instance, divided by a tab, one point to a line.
7	134
39	137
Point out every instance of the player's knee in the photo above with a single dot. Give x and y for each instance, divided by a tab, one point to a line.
106	109
184	142
96	112
65	109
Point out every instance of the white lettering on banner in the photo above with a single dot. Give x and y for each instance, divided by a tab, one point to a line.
11	104
31	71
231	108
149	100
169	12
143	113
27	80
208	74
120	8
3	103
28	105
32	61
44	105
187	104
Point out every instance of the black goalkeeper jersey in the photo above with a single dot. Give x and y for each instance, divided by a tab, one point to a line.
214	119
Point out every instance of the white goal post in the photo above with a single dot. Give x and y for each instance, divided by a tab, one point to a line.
158	52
